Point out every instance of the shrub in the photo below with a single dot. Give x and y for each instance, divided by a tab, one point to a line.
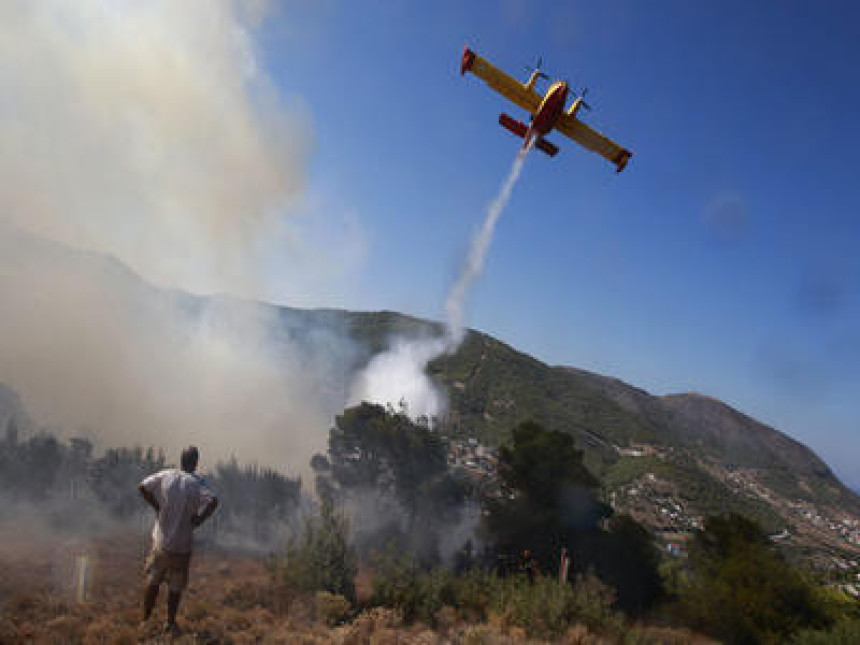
845	632
322	559
196	610
742	590
332	608
546	609
593	602
542	609
416	595
473	592
370	623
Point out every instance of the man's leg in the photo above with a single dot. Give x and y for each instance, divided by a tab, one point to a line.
173	598
150	595
178	580
154	574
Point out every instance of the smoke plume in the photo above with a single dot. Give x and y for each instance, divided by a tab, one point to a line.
399	375
149	132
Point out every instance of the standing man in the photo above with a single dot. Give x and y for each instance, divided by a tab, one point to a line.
182	502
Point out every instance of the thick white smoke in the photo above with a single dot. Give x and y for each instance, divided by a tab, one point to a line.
147	130
397	376
150	132
400	374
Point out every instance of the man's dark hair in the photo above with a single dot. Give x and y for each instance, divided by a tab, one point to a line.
189	458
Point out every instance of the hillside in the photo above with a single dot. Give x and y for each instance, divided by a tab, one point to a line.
689	454
669	460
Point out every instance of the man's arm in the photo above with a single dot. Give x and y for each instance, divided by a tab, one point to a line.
198	519
149	497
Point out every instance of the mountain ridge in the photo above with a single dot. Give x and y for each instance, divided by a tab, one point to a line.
685	450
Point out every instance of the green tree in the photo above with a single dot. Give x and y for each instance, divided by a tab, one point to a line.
255	500
377	451
742	590
115	475
549	502
376	447
625	557
322	558
548	498
399	582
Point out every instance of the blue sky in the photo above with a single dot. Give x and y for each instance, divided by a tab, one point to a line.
723	260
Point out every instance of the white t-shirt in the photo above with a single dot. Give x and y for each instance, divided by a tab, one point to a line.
180	496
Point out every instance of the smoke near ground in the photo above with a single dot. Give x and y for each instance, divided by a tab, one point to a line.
92	350
399	375
150	132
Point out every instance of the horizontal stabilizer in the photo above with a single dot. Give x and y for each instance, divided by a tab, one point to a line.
517	127
545	146
521	130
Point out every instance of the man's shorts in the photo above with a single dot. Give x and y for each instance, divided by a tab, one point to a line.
172	568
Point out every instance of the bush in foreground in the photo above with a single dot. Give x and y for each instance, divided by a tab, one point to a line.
543	608
742	590
321	559
399	583
844	632
331	608
546	608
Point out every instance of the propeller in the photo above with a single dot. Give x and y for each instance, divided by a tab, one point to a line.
537	68
581	95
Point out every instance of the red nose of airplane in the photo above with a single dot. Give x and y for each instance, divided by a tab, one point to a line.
468	59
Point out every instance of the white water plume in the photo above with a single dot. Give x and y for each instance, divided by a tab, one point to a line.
474	264
399	375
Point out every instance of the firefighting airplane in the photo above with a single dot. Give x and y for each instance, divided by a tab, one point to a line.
547	111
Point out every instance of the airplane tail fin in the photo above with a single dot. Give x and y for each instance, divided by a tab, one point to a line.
521	130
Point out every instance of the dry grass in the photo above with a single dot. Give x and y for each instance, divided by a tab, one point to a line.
230	599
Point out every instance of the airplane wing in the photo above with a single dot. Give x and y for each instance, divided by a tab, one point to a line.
506	85
591	139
